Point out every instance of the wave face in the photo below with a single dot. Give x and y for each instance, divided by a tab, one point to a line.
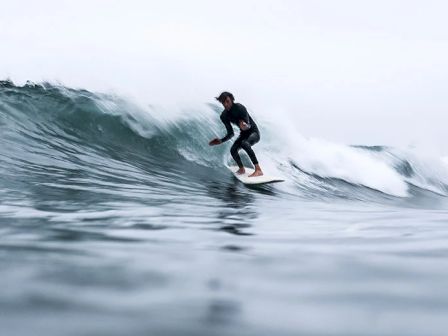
57	139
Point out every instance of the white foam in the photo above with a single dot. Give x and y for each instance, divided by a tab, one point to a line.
333	160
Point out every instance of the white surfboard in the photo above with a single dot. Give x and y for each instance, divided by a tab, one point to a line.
253	180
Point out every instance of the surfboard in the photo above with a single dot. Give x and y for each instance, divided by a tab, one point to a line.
254	180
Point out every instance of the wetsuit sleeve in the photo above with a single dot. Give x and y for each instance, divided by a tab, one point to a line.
243	115
229	128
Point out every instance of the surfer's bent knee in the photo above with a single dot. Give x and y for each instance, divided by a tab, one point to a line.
245	144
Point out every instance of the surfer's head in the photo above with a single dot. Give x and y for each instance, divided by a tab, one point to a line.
226	99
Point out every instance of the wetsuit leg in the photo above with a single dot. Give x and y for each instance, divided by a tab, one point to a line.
234	151
247	144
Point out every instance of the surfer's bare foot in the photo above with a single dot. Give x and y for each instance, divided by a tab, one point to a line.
241	171
257	172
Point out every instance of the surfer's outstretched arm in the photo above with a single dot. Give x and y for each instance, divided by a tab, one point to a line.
225	120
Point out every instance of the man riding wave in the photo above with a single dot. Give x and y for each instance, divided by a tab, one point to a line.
235	113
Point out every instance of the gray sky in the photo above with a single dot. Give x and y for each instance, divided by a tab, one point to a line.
360	72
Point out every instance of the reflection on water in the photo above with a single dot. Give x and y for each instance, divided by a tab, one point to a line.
238	209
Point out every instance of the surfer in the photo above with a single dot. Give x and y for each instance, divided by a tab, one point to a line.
236	113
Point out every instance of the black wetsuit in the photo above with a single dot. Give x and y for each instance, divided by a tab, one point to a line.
247	138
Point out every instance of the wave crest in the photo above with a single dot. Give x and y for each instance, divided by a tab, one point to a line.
46	125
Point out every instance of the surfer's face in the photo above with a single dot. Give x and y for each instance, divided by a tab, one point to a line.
227	103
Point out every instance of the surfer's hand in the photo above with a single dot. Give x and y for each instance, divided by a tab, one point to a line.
215	142
243	125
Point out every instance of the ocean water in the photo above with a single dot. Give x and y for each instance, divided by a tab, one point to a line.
117	219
